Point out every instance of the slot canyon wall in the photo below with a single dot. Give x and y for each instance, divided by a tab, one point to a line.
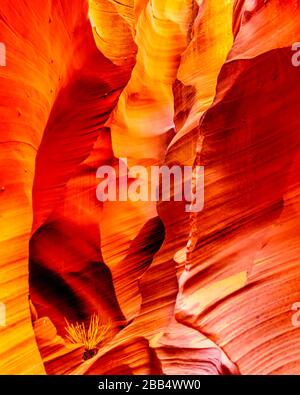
173	82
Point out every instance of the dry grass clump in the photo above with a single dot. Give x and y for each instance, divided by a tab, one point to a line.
90	337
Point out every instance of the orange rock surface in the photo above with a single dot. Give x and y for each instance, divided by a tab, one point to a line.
186	82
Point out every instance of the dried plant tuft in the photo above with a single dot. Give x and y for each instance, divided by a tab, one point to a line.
90	337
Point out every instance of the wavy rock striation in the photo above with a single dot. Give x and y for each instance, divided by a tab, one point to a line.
180	82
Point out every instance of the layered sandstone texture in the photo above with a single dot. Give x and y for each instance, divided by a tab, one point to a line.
174	82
